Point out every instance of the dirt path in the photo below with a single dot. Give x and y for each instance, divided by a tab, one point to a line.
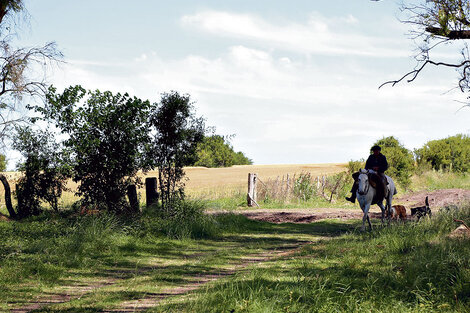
152	300
72	292
437	199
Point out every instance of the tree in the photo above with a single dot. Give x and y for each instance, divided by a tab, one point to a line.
438	22
18	77
216	151
106	137
177	134
400	160
45	171
452	154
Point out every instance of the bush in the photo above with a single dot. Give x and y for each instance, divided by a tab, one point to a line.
400	160
45	171
106	134
452	154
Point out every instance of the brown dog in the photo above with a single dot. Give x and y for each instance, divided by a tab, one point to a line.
398	212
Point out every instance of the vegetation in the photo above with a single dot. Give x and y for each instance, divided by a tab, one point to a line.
106	133
450	154
406	268
400	160
178	131
216	151
44	169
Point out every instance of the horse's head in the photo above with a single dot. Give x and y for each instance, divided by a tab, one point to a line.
363	181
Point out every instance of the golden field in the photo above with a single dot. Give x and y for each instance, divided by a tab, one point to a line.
218	182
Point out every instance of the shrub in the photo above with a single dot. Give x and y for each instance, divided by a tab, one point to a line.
45	171
452	154
400	160
106	134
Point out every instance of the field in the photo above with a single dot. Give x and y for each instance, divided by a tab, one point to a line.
216	183
310	259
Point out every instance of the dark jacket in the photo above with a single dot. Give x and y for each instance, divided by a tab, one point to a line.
379	161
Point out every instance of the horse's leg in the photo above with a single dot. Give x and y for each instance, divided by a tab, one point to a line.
382	208
366	217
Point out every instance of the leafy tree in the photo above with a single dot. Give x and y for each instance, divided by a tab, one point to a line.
400	160
452	153
177	134
216	151
106	134
45	171
438	22
3	163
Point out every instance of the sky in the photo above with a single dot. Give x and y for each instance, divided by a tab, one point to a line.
296	81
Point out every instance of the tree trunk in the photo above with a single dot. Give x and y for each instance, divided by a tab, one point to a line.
6	186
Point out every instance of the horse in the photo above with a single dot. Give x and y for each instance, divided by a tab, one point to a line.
366	194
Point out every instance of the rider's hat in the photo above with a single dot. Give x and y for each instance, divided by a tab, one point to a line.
375	148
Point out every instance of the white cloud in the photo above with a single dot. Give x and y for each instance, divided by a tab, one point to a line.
283	106
318	35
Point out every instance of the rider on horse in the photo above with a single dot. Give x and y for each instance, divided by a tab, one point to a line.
376	162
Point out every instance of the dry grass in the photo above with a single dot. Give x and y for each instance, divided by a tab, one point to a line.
215	182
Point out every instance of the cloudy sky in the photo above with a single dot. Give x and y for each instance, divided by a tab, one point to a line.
296	81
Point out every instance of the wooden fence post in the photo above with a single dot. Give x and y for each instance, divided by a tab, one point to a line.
133	200
251	196
151	191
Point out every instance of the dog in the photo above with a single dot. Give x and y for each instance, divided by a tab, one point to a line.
398	212
422	211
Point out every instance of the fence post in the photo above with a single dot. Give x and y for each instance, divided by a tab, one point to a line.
133	200
151	191
251	196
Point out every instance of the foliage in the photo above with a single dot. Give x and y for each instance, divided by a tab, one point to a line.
304	186
452	154
45	171
400	160
106	133
216	151
3	163
355	166
177	134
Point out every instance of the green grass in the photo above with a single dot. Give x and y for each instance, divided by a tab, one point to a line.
404	268
433	180
44	254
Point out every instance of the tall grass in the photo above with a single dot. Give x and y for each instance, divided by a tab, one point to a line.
435	180
414	267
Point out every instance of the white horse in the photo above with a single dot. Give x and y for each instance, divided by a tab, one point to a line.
366	194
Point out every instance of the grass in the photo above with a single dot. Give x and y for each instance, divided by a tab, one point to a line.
404	268
433	180
45	255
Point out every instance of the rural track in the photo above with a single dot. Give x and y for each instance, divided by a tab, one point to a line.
153	299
